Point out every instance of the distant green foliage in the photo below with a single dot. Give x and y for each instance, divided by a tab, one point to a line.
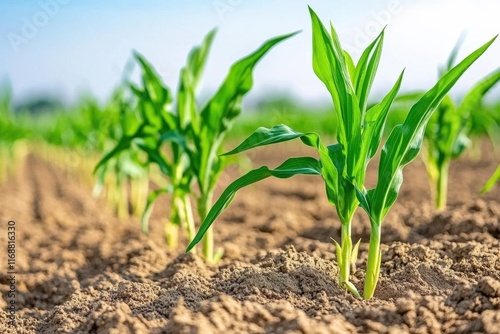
301	119
12	132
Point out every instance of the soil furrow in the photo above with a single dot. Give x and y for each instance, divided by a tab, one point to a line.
83	271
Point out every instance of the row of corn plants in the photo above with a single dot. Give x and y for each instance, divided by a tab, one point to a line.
183	139
164	142
72	140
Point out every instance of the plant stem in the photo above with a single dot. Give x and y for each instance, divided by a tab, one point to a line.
374	257
442	185
172	225
188	217
140	189
208	239
172	234
121	201
346	245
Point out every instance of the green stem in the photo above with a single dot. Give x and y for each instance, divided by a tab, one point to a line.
208	239
140	189
171	234
121	201
374	259
346	246
442	185
172	225
188	216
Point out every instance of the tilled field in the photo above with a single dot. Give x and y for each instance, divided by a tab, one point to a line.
80	270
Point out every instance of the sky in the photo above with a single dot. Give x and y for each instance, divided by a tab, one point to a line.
67	48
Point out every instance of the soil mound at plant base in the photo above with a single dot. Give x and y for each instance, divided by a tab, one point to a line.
82	271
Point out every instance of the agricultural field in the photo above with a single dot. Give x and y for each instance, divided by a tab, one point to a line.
159	210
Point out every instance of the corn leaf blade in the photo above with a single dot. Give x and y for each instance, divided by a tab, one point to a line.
189	79
405	140
225	104
330	66
375	120
366	70
264	136
474	97
492	181
291	167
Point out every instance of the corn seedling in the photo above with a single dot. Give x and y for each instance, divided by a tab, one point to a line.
195	135
343	165
153	102
485	122
447	134
127	186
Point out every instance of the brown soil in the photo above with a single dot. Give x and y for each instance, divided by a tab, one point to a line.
80	270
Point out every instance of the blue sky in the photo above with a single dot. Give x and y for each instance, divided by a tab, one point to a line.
70	47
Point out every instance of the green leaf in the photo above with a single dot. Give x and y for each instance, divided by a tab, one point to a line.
198	57
122	145
282	133
354	254
352	289
151	148
224	106
412	97
186	101
264	136
153	196
174	136
405	140
452	59
366	70
472	101
219	113
158	94
492	181
461	123
291	167
101	174
375	121
338	251
330	66
443	128
189	80
351	68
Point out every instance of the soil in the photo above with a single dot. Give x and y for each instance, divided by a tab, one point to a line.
80	270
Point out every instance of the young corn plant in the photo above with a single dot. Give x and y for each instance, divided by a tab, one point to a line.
153	103
208	128
195	134
124	177
447	134
485	123
343	165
